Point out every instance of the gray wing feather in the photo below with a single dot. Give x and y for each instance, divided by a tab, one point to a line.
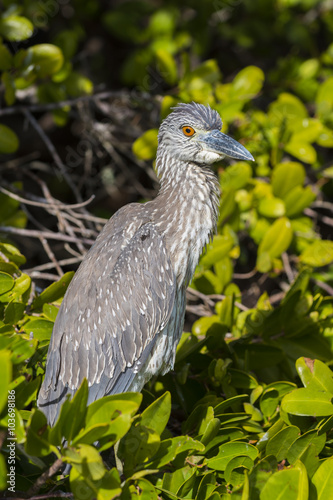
119	300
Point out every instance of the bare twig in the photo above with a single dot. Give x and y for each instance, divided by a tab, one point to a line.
46	205
209	299
61	104
51	265
245	276
287	267
315	215
44	276
199	310
45	234
45	476
201	296
54	153
322	204
324	286
51	256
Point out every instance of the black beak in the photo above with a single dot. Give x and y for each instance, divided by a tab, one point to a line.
220	143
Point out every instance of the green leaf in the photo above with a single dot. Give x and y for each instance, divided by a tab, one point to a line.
106	488
108	419
6	58
53	292
3	474
321	487
14	312
269	402
16	28
319	253
280	443
180	481
307	130
221	407
298	199
234	471
12	253
167	66
6	282
308	402
242	380
9	84
299	447
26	392
271	207
217	250
287	484
50	311
302	151
275	242
315	374
287	107
37	443
286	176
146	490
86	460
45	58
274	429
236	176
324	99
325	140
228	451
41	329
145	146
75	416
77	85
9	142
247	83
137	447
156	416
170	448
5	377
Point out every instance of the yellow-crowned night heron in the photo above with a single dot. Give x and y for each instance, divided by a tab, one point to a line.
123	313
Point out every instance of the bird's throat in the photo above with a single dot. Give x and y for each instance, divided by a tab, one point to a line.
186	211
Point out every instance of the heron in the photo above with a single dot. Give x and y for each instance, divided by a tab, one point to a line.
123	313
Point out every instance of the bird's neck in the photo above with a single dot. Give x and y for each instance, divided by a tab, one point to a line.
186	211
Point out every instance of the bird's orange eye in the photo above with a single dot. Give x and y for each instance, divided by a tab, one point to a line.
188	131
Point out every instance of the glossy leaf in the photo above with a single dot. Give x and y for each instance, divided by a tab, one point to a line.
156	416
315	374
287	176
45	58
145	146
308	402
275	242
287	484
271	207
9	142
228	451
248	82
302	151
54	291
40	329
319	253
280	443
6	282
5	377
16	28
322	481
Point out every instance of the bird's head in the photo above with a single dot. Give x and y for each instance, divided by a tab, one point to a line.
192	132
